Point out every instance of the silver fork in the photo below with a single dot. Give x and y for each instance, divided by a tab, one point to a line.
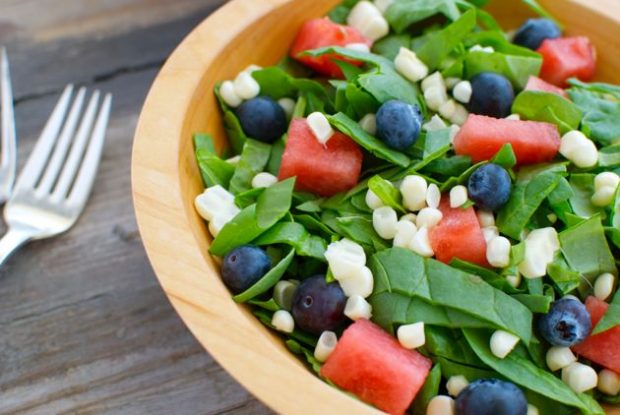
54	185
8	159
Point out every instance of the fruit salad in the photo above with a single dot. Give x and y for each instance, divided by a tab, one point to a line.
426	207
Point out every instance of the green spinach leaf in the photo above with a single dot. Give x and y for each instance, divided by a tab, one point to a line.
611	318
390	45
516	68
274	202
601	121
386	191
295	235
270	279
213	169
402	14
241	230
232	126
505	157
351	128
253	160
548	107
428	391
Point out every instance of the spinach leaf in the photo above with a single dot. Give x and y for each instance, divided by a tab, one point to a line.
565	279
548	107
298	349
254	158
275	159
276	83
537	8
390	45
452	345
340	13
213	169
601	121
436	144
295	235
269	305
361	102
232	126
407	273
360	230
404	13
247	198
586	250
527	375
536	303
525	199
448	166
270	279
498	41
462	179
582	185
313	224
264	316
609	156
382	81
611	318
439	44
516	68
505	157
351	128
428	391
274	202
241	230
386	191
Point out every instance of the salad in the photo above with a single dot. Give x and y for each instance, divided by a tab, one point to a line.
426	208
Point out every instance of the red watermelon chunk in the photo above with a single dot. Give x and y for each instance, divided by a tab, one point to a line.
320	33
323	170
567	57
458	235
371	364
482	137
603	348
534	83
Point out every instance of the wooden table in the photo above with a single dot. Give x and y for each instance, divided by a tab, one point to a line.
84	325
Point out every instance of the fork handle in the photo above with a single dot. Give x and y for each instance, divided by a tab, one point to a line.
12	240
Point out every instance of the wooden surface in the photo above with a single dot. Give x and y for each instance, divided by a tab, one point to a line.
84	325
180	104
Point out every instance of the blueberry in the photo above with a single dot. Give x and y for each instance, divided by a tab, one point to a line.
492	95
491	397
262	118
398	124
318	306
534	32
567	323
243	266
489	187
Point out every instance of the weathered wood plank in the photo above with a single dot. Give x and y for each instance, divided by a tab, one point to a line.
84	325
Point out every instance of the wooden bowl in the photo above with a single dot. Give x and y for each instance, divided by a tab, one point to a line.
165	180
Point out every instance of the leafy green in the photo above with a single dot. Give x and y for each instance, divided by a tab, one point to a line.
339	13
440	44
297	348
582	185
402	14
526	374
436	144
548	107
611	318
241	230
448	166
274	203
269	305
505	157
525	198
213	169
403	272
516	68
270	279
537	8
386	191
265	317
295	235
609	156
254	158
565	279
377	147
390	45
601	121
276	83
360	230
536	303
381	81
247	198
586	250
428	391
275	159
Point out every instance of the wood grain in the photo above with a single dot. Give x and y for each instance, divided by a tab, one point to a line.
84	325
181	103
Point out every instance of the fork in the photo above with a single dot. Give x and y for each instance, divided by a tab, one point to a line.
54	185
8	159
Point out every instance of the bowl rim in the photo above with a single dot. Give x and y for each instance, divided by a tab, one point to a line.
162	219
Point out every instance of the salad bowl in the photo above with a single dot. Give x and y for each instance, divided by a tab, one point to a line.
166	179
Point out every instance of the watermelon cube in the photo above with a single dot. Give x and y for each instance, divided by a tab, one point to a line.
567	57
321	169
318	33
602	348
458	235
371	364
534	83
482	137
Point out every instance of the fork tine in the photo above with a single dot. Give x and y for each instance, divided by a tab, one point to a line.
90	163
8	159
77	150
66	137
36	162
